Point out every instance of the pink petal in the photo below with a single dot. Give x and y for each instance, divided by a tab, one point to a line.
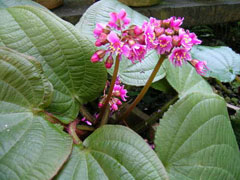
113	38
125	50
126	21
122	14
113	17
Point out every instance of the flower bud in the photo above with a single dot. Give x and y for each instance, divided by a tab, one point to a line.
95	58
119	102
176	30
109	62
159	31
100	105
107	30
102	40
166	23
176	41
141	39
194	62
200	66
98	55
101	53
169	32
114	107
137	30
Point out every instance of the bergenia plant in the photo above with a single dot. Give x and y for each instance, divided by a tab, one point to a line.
118	38
54	125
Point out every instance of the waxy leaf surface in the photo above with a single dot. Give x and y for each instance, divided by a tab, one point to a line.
185	79
63	53
113	152
12	3
30	146
223	62
133	74
195	140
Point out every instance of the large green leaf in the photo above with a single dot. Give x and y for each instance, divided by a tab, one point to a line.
223	62
195	140
30	146
132	74
12	3
63	53
113	152
162	85
185	80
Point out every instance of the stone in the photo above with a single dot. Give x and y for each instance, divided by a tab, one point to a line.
195	12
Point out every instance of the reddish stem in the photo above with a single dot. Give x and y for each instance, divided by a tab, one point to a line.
72	131
114	77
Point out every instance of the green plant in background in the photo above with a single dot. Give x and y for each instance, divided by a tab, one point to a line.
47	76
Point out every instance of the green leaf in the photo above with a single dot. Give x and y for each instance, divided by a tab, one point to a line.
132	74
162	85
12	3
30	146
18	71
63	53
113	152
195	140
223	62
185	80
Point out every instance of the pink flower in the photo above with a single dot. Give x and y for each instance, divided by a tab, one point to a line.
119	20
176	22
166	22
179	55
114	107
159	31
118	81
119	91
169	31
102	40
138	30
99	29
188	39
137	52
150	37
176	41
155	22
114	103
164	44
200	66
194	38
116	45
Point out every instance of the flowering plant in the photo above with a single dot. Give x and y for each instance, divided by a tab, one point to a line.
53	124
166	37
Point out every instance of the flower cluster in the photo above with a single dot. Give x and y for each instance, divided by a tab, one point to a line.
118	40
119	94
168	38
165	36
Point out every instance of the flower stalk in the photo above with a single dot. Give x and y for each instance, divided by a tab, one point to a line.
105	116
145	88
114	77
